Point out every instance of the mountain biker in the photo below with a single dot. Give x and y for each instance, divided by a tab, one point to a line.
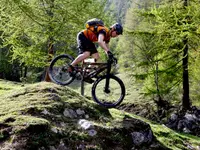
86	39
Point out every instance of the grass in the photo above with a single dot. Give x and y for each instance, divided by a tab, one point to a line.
6	86
134	100
132	91
169	138
21	108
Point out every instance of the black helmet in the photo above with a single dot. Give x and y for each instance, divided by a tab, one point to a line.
118	28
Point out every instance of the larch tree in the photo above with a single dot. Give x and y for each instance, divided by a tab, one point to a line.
34	30
174	29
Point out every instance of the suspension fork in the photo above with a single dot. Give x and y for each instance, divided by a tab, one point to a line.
106	89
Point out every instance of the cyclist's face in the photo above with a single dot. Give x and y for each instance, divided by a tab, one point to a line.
114	34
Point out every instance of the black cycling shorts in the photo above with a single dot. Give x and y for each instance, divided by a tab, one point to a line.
85	44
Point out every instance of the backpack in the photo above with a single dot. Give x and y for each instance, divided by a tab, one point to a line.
93	24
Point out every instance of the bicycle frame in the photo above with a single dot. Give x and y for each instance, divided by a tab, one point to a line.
101	67
107	76
102	86
88	70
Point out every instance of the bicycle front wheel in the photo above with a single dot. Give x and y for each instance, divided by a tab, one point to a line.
58	70
113	96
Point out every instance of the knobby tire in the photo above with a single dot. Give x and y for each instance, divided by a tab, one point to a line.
58	69
105	102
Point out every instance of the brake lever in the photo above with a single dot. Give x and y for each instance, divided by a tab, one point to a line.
115	60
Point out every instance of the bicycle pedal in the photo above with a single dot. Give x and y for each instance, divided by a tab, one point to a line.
79	76
72	74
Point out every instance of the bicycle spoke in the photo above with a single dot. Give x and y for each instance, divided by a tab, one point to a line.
59	70
110	97
61	75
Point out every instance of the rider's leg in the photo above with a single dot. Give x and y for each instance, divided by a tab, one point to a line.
95	56
85	47
80	57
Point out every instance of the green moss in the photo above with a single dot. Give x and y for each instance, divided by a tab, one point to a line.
22	120
21	107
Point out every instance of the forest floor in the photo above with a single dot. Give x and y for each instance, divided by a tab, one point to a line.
31	117
134	101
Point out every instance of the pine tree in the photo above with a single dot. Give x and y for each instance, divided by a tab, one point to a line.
34	30
172	27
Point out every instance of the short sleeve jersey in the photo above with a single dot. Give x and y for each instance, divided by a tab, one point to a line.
93	37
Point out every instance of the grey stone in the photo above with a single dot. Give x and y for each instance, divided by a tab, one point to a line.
85	124
181	125
62	146
45	112
54	130
190	117
70	113
173	117
186	130
52	148
140	131
92	132
87	116
188	122
63	124
148	136
80	112
138	138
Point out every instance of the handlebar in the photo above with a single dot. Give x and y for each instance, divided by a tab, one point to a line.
113	60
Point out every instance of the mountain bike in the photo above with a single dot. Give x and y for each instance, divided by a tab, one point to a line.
107	90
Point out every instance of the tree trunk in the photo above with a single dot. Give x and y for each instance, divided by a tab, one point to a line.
157	82
50	53
186	98
51	39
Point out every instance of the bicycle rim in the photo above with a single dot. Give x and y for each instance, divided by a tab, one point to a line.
112	98
58	70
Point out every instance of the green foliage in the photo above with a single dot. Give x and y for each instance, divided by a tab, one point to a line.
157	34
194	77
29	27
173	23
118	9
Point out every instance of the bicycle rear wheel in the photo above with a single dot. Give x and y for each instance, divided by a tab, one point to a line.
112	98
58	69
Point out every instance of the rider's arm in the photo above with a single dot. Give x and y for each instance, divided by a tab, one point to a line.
107	45
102	43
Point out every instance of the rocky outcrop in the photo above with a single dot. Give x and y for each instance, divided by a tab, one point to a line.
188	122
52	117
129	133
